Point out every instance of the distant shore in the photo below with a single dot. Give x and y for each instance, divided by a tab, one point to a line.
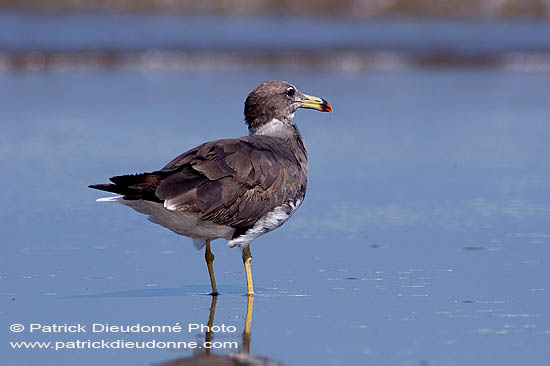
351	8
343	61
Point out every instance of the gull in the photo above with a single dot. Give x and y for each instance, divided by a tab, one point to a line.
236	189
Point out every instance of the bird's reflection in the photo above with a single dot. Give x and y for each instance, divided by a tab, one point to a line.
204	357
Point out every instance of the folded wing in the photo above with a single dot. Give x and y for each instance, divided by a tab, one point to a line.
230	182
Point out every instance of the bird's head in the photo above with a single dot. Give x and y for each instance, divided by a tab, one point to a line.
278	100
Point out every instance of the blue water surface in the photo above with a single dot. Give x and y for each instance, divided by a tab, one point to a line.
424	238
74	31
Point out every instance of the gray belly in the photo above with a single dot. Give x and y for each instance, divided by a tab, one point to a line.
181	222
191	225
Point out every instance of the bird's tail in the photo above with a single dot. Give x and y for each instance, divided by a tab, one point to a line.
133	186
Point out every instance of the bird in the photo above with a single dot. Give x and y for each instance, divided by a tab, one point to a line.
237	188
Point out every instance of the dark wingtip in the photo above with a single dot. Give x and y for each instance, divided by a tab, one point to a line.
129	192
105	187
121	179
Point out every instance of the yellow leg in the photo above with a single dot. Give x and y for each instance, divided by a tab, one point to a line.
247	259
209	262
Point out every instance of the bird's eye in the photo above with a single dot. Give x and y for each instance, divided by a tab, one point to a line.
290	91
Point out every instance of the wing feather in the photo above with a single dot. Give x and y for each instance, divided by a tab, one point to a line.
233	182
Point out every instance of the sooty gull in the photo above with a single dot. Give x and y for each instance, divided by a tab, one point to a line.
237	189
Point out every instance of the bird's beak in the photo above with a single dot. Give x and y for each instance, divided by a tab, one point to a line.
315	103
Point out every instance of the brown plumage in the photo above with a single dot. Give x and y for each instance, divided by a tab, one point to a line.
236	189
232	182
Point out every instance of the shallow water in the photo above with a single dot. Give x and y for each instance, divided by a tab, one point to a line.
424	238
